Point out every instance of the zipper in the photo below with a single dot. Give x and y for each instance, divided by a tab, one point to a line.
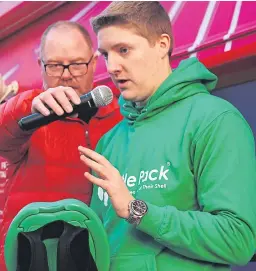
87	139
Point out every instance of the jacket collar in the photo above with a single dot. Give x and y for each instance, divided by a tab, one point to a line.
107	110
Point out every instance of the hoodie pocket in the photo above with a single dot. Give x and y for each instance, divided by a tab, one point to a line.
133	262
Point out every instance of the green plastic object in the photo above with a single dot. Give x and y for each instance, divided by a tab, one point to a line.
38	214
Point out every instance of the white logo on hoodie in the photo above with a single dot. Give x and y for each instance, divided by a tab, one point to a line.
103	196
144	176
143	181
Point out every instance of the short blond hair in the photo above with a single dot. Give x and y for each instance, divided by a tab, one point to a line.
149	19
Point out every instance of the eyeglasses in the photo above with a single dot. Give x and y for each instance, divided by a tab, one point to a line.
75	69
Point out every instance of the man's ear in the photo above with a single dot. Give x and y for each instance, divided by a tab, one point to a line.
39	62
95	60
164	44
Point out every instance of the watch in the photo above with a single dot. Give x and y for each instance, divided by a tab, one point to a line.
137	209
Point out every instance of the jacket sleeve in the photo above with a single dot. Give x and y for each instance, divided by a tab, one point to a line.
224	229
14	141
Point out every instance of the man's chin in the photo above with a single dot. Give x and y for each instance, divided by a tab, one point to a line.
127	95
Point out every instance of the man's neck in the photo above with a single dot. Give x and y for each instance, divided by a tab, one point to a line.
164	76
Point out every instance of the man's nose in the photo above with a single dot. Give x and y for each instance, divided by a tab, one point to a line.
113	65
66	74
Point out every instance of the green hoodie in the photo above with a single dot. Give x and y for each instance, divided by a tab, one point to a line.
191	157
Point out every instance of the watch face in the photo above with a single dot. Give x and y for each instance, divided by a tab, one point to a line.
139	207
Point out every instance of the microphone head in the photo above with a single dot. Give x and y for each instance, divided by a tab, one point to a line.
102	96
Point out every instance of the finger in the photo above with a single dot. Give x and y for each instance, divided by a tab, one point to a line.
62	99
38	106
49	100
2	84
95	180
72	95
95	156
99	169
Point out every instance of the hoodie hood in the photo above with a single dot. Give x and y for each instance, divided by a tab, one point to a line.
190	78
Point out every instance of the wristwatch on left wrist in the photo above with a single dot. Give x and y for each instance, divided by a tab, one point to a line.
137	209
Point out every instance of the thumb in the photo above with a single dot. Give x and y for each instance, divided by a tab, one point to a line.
74	115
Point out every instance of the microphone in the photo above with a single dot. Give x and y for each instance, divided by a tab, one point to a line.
98	97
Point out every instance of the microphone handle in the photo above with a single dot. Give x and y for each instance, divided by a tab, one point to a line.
37	120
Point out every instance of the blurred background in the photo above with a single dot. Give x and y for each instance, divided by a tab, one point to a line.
221	34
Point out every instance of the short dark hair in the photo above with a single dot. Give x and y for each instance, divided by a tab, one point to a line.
68	24
149	18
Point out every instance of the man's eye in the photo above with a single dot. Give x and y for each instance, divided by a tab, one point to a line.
124	50
54	66
105	55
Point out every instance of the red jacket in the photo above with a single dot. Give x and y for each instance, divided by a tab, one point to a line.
45	165
3	180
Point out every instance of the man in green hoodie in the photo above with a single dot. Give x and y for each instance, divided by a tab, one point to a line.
175	181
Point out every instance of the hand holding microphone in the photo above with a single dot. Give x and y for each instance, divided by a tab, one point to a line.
58	103
59	100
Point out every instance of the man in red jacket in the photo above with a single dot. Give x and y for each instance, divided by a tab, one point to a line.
44	164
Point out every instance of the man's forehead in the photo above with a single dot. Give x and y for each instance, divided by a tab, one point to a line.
57	35
60	44
115	36
119	29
